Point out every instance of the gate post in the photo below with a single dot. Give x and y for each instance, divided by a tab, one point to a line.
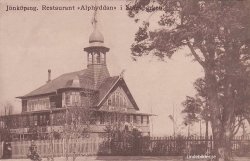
63	142
2	148
53	144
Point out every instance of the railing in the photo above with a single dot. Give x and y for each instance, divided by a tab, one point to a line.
94	128
100	127
19	130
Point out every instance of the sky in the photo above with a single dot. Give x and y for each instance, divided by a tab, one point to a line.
34	41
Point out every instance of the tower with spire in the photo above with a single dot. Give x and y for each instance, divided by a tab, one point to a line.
96	55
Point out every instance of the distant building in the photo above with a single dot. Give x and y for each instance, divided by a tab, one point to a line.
92	87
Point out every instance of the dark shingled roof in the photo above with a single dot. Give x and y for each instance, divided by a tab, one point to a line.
108	85
80	80
76	79
105	87
55	84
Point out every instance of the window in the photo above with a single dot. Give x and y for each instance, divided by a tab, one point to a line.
94	57
38	104
67	99
42	119
121	100
28	104
76	98
72	98
31	121
113	100
2	124
90	58
138	119
35	105
109	102
128	118
122	118
102	118
98	59
25	121
134	118
47	103
131	118
35	120
112	118
117	99
52	119
59	119
145	120
32	105
124	103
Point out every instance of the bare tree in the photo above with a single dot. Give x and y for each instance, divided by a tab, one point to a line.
7	108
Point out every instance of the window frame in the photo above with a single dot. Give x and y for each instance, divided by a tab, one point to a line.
117	99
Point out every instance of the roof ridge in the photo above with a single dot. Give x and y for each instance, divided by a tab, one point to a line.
72	72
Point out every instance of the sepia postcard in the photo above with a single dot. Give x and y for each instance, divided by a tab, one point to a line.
124	79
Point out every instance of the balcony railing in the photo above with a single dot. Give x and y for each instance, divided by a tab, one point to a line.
93	128
19	130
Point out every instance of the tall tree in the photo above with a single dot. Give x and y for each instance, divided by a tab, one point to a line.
196	108
218	36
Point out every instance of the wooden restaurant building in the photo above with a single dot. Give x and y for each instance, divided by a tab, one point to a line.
44	108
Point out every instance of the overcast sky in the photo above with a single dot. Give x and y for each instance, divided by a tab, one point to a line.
34	41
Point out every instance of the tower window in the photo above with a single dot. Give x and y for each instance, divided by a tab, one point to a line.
98	59
90	58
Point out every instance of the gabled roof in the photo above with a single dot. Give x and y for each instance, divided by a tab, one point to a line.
111	84
104	89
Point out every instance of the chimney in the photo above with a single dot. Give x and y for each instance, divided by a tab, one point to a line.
49	74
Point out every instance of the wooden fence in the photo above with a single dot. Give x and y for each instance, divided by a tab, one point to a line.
199	145
57	148
140	146
175	145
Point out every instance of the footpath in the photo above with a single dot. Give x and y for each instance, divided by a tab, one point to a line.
127	158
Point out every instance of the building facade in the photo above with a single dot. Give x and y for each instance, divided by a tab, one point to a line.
49	107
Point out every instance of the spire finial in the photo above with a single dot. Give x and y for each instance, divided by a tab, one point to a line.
94	19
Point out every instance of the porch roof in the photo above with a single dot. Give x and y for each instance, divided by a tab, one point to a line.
124	112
